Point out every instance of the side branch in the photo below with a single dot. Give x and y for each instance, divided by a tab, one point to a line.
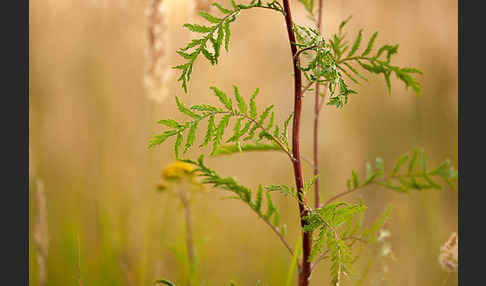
275	139
277	232
296	56
341	195
377	182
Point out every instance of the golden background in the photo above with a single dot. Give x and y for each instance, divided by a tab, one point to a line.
91	120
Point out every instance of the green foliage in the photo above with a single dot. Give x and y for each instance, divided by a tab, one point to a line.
213	36
212	178
271	214
376	64
335	224
321	66
421	179
341	259
294	262
245	125
283	189
309	5
370	232
328	220
235	148
326	63
309	183
365	273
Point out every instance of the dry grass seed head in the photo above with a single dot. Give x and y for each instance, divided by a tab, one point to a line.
448	257
158	74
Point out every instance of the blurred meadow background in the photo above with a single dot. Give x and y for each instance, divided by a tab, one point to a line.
91	119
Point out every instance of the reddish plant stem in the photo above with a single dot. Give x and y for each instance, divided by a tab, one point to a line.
305	270
316	147
317	109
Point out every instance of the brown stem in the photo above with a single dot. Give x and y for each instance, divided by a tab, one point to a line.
303	50
323	100
189	240
307	87
340	195
319	259
297	163
316	147
317	109
362	186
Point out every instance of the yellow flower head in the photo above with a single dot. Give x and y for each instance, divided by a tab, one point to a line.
177	171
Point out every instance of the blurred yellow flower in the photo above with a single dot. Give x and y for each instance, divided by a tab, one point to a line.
179	175
177	171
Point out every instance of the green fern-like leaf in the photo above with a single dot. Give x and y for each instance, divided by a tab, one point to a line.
379	63
370	233
283	189
235	148
409	180
211	177
369	47
327	224
219	118
216	34
241	101
308	4
356	44
321	66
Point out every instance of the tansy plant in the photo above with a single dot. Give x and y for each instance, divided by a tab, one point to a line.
328	229
179	179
